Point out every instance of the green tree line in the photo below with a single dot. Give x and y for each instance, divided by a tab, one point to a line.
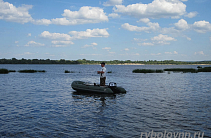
84	61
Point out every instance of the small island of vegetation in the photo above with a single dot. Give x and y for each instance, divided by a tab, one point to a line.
31	71
184	70
147	71
67	71
6	71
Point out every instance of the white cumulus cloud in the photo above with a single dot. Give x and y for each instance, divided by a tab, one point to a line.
55	36
144	20
152	27
114	15
62	42
182	25
11	13
112	2
106	48
188	38
91	45
145	44
156	9
156	40
202	26
33	43
61	39
175	53
161	37
85	15
199	53
94	44
126	49
42	22
89	33
191	14
27	53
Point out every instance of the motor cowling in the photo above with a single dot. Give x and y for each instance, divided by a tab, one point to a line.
113	87
112	84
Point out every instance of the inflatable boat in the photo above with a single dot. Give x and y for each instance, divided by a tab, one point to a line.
81	86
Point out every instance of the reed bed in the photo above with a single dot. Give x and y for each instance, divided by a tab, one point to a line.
205	69
184	70
31	71
67	71
4	71
147	71
12	70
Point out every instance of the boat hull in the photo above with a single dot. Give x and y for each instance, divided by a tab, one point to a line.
80	86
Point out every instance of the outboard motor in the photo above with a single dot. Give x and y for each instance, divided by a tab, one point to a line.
112	84
113	87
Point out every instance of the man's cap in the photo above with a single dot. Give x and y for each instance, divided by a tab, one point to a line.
103	63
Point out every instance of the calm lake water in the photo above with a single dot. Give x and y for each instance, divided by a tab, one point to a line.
45	105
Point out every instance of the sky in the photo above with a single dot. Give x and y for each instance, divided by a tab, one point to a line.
106	29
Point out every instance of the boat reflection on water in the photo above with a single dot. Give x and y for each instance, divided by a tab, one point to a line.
85	97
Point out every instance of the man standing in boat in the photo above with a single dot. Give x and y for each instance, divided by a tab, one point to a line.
102	74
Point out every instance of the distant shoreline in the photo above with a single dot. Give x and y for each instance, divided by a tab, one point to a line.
155	64
110	64
93	62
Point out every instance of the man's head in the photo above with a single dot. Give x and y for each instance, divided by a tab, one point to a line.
103	64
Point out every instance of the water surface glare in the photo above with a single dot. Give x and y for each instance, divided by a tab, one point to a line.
45	105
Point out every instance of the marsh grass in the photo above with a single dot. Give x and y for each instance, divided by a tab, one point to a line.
4	71
205	69
191	70
158	71
31	71
147	71
12	70
184	70
67	71
41	71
